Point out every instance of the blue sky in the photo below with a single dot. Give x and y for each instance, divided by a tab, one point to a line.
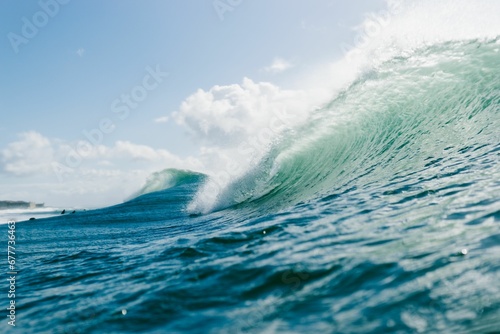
64	80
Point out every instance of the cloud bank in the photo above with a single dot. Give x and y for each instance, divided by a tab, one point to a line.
105	175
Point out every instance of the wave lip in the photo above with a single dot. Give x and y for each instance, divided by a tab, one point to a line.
166	179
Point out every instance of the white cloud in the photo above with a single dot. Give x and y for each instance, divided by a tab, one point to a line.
80	52
224	116
279	65
126	149
163	119
31	154
105	163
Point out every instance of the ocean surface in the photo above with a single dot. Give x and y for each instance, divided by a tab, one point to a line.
379	214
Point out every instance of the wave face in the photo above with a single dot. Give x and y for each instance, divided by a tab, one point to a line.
422	112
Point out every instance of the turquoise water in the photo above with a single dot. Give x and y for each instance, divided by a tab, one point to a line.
379	214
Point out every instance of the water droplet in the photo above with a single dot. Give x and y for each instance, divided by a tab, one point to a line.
124	311
464	251
264	232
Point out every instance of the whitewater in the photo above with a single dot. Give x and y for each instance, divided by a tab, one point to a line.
376	211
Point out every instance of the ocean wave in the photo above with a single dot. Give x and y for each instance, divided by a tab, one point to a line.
388	122
167	179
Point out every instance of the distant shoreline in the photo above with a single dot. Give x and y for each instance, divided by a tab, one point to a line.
4	205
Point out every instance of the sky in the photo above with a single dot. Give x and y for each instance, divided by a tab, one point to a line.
97	95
